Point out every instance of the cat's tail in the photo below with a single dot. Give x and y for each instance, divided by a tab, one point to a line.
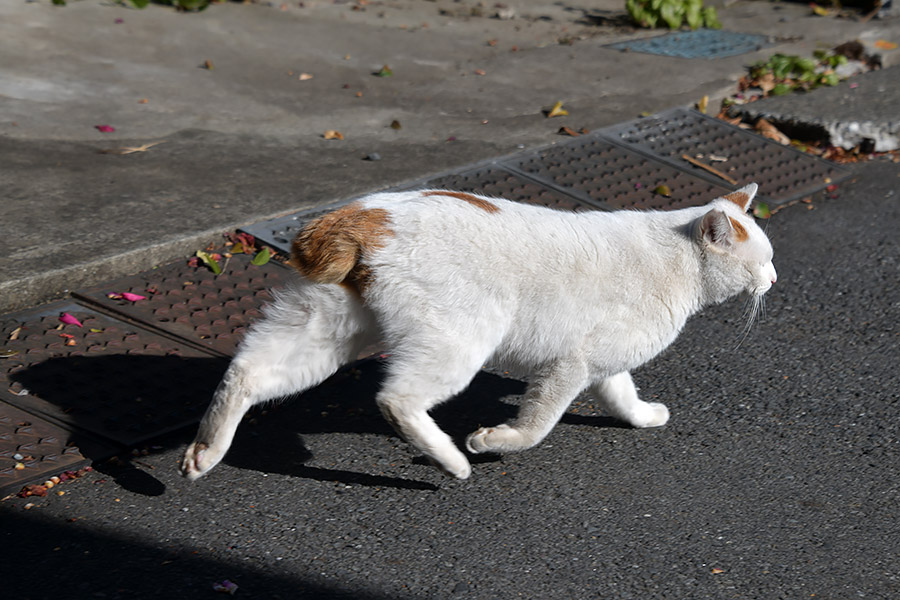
330	249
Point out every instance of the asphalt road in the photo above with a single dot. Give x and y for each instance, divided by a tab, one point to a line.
777	476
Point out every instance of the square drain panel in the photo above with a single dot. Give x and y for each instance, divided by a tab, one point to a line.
702	43
33	450
782	173
614	177
280	232
494	181
193	303
107	377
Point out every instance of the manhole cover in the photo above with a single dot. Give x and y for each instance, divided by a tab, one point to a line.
32	450
702	43
191	302
105	377
493	181
613	177
782	173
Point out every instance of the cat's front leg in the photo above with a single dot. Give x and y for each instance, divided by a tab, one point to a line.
620	398
546	399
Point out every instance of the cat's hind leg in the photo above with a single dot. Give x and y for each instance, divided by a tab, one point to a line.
417	383
620	398
308	333
546	399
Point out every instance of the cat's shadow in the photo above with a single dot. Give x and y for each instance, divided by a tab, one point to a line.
131	396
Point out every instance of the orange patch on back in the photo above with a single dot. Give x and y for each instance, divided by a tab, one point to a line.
740	233
739	198
330	249
473	200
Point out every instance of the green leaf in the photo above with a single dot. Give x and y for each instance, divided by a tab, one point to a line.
804	65
140	3
711	18
209	261
781	89
662	190
261	258
384	72
671	15
694	16
59	2
831	79
761	210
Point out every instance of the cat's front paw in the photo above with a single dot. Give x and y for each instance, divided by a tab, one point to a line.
198	460
652	414
494	439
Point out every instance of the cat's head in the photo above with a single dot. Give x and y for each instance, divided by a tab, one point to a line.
737	255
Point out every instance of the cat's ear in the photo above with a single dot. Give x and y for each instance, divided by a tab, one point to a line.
715	229
743	197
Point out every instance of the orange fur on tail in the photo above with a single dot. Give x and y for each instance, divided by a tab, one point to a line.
329	249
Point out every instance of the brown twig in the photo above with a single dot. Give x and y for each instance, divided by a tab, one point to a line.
706	167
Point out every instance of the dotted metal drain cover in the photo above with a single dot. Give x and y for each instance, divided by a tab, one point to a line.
280	232
105	377
702	43
613	177
192	302
782	173
494	181
32	450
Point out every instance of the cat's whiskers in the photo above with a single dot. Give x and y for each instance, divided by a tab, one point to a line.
753	307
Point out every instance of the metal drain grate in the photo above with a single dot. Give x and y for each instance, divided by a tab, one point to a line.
106	377
280	232
493	181
782	173
193	303
702	43
32	450
614	177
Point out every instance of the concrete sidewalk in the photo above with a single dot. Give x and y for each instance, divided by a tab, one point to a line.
243	140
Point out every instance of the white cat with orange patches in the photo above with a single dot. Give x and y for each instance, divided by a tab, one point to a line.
451	281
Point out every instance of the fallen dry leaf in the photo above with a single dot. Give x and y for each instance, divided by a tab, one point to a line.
885	45
333	134
132	149
208	65
305	76
557	110
480	72
395	124
704	102
15	333
767	130
568	131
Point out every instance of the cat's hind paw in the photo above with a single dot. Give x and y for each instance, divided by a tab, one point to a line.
198	460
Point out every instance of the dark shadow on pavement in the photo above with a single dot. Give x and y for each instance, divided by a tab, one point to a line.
52	559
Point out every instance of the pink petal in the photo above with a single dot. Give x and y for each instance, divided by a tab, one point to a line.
133	297
105	128
69	320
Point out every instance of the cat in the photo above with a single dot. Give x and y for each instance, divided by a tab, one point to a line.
451	281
